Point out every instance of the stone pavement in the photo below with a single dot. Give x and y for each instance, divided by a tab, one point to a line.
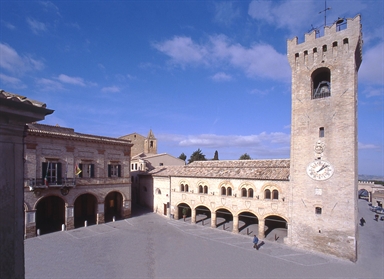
151	246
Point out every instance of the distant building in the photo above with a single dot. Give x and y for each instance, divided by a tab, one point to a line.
144	159
141	144
307	196
72	179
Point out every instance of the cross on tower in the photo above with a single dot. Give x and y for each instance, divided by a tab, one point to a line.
325	12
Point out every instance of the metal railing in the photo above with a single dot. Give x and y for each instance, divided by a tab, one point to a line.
42	183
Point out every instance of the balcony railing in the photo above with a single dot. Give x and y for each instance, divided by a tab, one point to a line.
42	183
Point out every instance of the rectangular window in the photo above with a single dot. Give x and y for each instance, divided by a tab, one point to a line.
318	210
87	170
114	170
51	172
321	132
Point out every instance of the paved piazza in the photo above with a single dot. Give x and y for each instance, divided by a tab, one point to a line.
150	246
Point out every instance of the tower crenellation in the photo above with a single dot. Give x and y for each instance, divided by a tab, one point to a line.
315	49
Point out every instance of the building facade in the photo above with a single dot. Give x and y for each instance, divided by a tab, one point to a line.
308	201
72	180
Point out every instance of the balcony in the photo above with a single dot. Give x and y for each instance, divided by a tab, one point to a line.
40	183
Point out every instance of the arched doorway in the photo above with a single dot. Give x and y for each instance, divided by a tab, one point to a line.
248	223
85	210
275	228
113	206
50	214
203	215
184	210
224	219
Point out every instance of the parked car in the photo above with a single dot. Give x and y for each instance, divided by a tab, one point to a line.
380	210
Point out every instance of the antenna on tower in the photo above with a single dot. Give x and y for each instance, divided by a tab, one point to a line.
325	12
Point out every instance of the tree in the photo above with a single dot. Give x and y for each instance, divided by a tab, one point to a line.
197	156
216	156
245	156
183	156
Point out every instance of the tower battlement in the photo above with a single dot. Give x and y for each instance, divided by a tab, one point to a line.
338	39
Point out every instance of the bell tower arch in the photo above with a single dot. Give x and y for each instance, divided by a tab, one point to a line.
324	166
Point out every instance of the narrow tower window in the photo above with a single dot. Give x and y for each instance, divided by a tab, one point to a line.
318	210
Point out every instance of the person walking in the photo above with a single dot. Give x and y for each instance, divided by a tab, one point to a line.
362	221
255	241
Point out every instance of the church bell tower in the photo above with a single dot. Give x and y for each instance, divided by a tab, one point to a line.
324	170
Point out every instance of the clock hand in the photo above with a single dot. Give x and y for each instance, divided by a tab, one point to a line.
322	167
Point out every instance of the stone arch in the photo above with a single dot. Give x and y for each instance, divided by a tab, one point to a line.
183	186
224	218
276	227
203	186
227	184
229	188
184	210
203	214
247	185
321	82
248	222
50	214
85	209
113	206
271	187
158	191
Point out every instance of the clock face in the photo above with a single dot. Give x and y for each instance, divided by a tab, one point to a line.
320	170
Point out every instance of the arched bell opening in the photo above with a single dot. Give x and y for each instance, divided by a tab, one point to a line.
321	83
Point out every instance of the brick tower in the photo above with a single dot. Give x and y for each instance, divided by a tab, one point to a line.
323	215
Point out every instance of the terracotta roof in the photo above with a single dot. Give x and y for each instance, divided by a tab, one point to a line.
20	99
278	169
69	133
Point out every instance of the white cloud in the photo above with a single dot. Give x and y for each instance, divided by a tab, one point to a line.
221	77
49	85
110	89
372	91
362	146
13	62
372	67
71	80
12	81
36	26
182	50
260	60
219	141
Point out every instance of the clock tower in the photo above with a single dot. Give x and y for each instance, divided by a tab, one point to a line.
323	194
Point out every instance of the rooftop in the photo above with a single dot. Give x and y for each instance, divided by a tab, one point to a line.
278	169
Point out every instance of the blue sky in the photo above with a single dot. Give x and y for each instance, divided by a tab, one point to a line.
201	74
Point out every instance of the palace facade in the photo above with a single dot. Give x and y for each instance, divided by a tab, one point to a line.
73	180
